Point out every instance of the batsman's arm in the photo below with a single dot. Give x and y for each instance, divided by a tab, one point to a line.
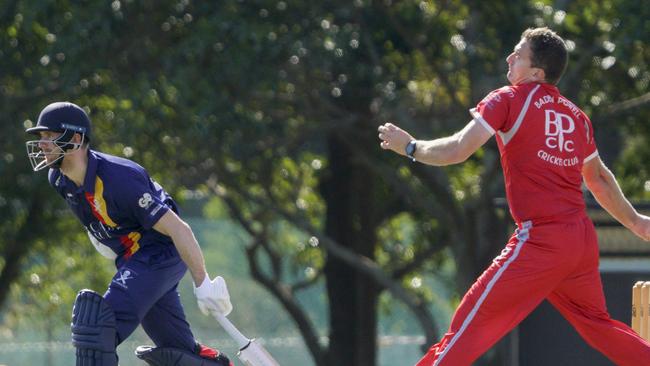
602	184
186	244
439	152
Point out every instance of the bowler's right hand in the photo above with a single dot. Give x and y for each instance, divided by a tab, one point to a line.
393	138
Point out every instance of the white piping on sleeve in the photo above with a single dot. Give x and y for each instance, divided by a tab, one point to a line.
477	117
593	155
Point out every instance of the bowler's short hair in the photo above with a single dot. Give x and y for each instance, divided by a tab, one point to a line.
548	52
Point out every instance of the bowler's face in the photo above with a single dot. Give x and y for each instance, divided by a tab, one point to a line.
519	65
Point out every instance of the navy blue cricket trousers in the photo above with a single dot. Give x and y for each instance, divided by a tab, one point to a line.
144	291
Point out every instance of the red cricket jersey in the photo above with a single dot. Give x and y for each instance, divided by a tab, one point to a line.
544	139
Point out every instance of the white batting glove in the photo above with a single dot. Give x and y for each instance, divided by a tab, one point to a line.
213	296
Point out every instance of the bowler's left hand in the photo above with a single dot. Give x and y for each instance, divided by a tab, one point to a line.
641	227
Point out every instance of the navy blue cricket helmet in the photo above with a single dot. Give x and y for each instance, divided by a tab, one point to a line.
61	117
67	119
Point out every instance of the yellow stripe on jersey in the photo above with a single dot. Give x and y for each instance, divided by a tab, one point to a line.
100	204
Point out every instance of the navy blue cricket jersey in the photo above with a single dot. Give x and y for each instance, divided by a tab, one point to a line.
118	204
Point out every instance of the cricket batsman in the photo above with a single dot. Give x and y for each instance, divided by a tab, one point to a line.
133	221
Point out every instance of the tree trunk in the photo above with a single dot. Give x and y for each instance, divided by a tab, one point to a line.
17	246
348	192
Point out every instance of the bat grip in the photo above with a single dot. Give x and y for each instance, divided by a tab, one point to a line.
241	340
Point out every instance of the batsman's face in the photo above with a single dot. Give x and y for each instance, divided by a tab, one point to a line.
47	146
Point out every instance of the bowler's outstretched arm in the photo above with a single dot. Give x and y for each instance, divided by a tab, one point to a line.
448	150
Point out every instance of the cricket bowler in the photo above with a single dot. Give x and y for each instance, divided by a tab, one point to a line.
547	151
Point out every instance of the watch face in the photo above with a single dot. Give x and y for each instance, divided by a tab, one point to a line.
410	148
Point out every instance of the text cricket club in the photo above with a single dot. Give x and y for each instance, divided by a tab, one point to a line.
556	160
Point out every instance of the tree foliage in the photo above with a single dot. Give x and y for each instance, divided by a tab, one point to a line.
271	107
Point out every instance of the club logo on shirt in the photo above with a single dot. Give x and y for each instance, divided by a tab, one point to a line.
71	199
492	100
557	126
122	276
145	201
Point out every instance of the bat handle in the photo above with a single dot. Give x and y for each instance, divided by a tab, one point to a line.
241	340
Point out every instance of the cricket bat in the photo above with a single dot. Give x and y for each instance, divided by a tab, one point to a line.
251	353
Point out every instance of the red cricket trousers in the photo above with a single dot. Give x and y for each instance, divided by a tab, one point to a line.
557	261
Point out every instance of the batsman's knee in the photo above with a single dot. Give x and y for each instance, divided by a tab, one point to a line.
94	333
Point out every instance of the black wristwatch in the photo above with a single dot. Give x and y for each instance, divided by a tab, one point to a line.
410	149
